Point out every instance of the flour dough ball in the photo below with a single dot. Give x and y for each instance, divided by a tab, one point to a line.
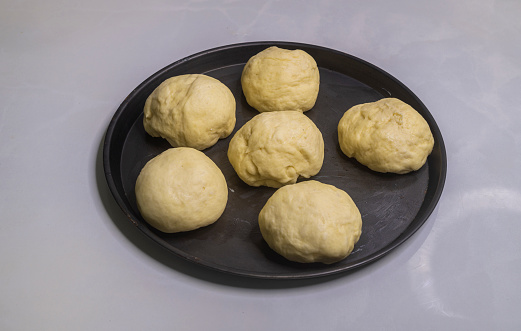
273	149
190	110
387	136
181	189
311	222
278	79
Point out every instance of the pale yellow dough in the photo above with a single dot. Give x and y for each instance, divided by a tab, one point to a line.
275	148
181	189
387	136
190	110
311	222
278	79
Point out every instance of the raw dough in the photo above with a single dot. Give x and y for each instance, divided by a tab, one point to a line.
279	79
190	110
311	222
387	136
274	148
181	189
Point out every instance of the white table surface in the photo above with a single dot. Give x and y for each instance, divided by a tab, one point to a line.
69	258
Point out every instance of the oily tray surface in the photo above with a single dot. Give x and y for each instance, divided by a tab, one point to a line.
393	206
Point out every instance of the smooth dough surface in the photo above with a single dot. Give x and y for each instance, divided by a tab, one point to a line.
387	136
275	148
278	79
191	111
181	189
311	222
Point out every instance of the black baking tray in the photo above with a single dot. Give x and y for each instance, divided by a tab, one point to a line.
393	206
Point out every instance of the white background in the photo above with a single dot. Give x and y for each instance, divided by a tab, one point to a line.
70	260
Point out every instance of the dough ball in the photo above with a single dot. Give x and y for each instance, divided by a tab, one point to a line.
387	136
190	110
181	189
279	79
273	149
311	222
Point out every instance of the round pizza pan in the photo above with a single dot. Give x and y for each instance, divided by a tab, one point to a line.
393	207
